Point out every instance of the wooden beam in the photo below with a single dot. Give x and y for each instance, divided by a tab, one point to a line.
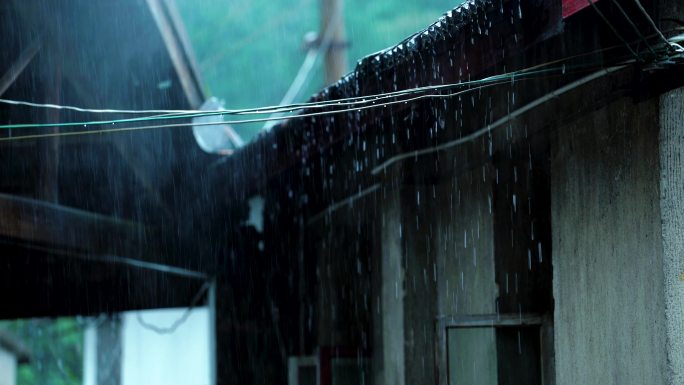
19	65
33	221
178	54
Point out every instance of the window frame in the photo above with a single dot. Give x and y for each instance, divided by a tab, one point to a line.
543	321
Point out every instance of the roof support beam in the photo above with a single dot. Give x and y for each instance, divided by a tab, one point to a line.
19	65
179	57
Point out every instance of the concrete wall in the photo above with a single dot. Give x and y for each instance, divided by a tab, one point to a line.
420	283
8	368
465	246
344	278
392	295
466	274
608	260
436	252
409	275
672	209
617	270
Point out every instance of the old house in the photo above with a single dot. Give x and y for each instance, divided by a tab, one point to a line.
525	230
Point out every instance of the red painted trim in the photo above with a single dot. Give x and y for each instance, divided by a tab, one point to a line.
571	7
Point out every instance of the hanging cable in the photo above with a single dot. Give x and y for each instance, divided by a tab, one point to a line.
91	110
314	114
653	24
363	101
610	25
324	113
351	101
175	114
488	128
169	114
369	99
366	102
636	29
124	129
184	317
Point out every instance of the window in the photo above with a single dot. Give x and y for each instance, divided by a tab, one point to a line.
495	349
303	370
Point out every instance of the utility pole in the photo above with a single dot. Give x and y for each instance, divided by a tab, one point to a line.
336	51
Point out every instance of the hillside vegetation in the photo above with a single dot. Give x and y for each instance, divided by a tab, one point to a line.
249	51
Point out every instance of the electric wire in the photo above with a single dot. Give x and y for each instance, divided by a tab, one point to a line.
351	101
169	114
505	119
334	103
305	115
610	25
184	317
368	99
634	26
91	110
653	24
281	108
285	108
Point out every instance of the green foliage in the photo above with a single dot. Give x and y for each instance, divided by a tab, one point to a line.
56	347
249	51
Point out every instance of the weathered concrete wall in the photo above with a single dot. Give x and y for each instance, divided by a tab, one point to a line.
466	274
392	296
409	274
608	270
672	209
343	280
420	282
465	246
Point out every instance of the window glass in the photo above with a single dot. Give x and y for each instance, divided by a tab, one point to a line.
494	356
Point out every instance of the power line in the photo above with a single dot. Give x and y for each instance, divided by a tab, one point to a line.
314	114
610	25
171	114
472	136
364	100
653	24
636	29
305	115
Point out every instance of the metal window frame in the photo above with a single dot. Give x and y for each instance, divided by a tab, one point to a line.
543	321
296	362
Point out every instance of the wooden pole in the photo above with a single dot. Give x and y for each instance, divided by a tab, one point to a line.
336	52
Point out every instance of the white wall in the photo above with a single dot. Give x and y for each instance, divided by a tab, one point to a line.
8	368
149	358
181	358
